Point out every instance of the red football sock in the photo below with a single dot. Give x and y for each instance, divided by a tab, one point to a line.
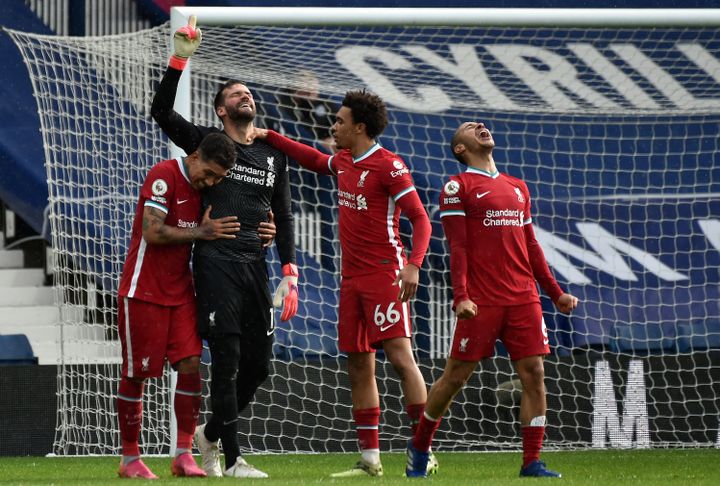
532	439
425	432
415	412
366	423
129	408
187	407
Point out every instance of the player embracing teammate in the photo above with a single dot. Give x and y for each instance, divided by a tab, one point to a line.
378	279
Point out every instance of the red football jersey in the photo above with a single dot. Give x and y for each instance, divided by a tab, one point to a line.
368	188
161	273
499	244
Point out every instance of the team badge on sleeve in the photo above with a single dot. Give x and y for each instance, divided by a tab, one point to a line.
451	188
159	187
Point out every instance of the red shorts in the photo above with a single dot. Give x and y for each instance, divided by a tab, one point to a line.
149	333
371	313
521	328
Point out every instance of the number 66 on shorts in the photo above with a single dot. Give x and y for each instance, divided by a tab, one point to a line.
371	313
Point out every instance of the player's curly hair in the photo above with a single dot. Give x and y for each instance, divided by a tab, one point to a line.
220	95
219	148
367	108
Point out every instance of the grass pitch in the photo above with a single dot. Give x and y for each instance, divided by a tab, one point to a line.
646	467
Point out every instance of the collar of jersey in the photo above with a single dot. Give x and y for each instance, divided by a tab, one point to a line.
367	154
485	173
181	166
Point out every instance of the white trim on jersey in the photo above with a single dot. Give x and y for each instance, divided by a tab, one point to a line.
527	221
153	204
330	167
485	173
391	232
128	338
181	166
367	154
138	266
452	212
403	193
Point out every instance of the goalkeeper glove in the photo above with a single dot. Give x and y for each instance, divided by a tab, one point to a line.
286	294
186	40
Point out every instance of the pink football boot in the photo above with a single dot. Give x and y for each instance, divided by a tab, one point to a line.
136	469
184	465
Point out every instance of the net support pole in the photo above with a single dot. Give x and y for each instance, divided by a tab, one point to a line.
182	106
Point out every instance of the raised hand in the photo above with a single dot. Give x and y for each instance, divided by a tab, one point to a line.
185	41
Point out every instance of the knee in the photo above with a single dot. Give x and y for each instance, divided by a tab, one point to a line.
455	381
188	365
403	368
532	374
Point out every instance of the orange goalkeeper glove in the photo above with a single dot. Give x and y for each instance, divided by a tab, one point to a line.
286	294
185	40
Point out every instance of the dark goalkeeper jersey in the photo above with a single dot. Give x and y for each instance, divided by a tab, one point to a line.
258	183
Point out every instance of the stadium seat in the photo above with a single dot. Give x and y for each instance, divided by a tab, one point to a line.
15	349
698	335
647	338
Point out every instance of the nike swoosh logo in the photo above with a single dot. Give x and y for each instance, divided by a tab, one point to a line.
483	194
181	201
385	328
546	341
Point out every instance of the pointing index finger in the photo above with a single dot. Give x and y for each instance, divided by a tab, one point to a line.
192	21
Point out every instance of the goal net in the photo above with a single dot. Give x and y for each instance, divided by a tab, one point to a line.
615	130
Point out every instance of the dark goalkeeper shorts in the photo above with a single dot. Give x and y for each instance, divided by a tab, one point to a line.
233	298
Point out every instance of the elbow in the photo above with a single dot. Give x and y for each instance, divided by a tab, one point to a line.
152	237
155	112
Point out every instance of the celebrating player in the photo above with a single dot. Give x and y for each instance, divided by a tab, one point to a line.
231	278
494	263
374	186
156	311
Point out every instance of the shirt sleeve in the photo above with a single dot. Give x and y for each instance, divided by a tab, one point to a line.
183	133
399	183
158	188
452	215
309	157
538	263
281	204
412	208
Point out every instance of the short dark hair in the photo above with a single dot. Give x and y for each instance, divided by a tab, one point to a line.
367	108
220	95
219	148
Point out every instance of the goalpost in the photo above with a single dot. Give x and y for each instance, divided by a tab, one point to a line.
612	117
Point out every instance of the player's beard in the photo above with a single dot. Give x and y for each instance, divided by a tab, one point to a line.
241	116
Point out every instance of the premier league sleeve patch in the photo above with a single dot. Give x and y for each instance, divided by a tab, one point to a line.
451	188
159	187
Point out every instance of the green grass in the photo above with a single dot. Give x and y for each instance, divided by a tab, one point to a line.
598	468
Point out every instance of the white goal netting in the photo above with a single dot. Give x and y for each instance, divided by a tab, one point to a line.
616	131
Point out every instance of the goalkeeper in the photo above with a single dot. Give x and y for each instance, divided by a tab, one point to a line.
156	308
494	263
231	277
